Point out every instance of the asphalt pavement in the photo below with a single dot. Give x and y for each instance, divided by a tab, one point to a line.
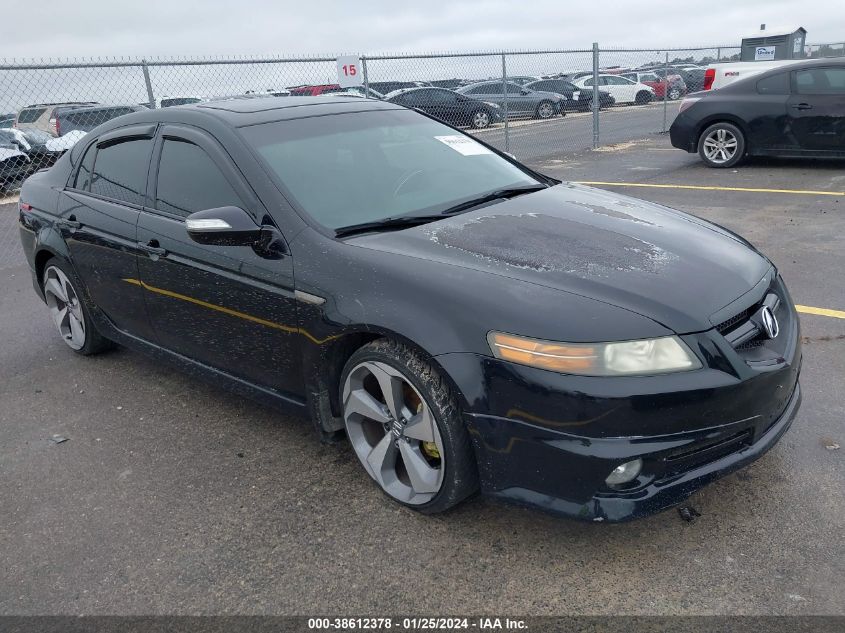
170	496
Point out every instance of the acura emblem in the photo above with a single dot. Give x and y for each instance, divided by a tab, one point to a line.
770	323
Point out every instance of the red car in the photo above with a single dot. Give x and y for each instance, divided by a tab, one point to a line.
675	83
314	91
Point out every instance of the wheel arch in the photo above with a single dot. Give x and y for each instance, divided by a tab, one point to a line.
325	370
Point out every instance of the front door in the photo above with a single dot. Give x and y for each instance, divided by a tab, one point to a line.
817	109
224	306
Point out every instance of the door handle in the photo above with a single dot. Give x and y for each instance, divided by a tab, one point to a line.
802	106
71	223
152	248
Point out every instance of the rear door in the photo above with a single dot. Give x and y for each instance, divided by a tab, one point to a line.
817	108
98	218
224	306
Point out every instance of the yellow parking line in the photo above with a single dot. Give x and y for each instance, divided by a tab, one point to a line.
836	314
710	188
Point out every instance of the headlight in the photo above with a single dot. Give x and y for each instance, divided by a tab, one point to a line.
622	358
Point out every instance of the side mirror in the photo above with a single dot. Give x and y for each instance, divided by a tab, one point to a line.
224	226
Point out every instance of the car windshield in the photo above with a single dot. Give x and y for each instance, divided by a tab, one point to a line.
364	167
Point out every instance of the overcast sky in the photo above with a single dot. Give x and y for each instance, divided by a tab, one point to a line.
241	27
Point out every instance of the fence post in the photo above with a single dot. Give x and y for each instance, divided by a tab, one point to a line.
366	77
150	95
666	91
596	104
718	54
505	95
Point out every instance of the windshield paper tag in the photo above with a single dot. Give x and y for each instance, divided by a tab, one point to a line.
463	145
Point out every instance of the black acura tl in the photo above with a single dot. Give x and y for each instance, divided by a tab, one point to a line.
469	323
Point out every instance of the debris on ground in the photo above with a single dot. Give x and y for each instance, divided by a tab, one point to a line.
831	446
688	513
58	439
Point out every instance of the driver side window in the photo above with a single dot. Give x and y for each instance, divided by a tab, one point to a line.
189	181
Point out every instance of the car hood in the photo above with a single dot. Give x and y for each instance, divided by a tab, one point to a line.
663	264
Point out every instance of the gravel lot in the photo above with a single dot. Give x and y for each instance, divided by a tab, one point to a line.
172	497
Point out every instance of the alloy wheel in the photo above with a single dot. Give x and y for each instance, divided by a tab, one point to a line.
65	307
720	146
674	94
393	432
546	110
480	120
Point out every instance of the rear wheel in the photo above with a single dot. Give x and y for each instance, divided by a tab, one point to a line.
643	97
545	110
674	94
721	145
480	119
69	310
406	429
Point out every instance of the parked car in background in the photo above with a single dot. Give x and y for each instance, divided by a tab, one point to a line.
15	165
7	120
168	102
86	118
622	89
42	116
693	77
576	98
323	89
36	144
794	110
523	79
521	101
389	86
672	88
449	106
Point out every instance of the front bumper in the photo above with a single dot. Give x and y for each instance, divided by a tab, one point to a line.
682	133
550	440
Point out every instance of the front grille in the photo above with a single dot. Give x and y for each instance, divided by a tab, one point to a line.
737	319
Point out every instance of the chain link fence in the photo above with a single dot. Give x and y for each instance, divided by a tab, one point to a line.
537	105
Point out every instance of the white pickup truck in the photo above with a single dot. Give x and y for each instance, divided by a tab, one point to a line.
720	75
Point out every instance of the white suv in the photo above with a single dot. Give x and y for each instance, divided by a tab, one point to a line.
621	89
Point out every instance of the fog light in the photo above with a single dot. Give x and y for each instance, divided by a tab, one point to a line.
624	473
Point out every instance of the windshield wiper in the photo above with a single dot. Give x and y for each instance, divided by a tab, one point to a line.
405	221
399	222
499	194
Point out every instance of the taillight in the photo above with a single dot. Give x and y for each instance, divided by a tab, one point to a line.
55	123
24	207
709	78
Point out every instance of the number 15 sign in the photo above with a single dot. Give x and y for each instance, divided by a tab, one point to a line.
349	71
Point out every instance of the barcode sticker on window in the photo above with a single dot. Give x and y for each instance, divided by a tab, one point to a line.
463	145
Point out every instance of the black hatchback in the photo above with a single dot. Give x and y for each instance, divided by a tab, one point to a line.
797	110
466	322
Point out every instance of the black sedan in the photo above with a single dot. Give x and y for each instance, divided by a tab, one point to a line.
449	106
468	323
796	110
576	98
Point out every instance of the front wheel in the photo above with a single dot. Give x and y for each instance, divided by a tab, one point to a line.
480	120
69	310
674	94
545	110
721	145
405	426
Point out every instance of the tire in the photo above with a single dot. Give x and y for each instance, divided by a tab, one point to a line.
545	110
70	310
721	145
421	426
674	94
480	119
642	97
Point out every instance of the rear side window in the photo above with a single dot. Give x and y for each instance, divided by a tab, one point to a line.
820	81
83	176
189	181
120	171
774	85
31	115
